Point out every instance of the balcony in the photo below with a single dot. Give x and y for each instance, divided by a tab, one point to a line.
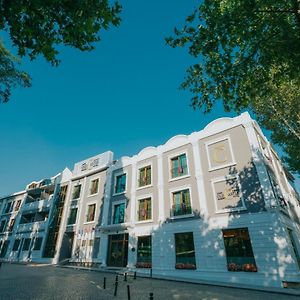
41	204
31	227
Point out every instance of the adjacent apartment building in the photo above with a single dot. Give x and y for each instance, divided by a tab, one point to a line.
215	205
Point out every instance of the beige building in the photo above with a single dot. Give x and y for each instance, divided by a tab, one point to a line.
215	205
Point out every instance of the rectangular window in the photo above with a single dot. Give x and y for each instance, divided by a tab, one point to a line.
26	244
38	243
119	213
120	186
76	191
90	217
94	186
4	248
18	204
293	243
2	225
181	203
16	245
239	250
96	248
185	251
144	209
8	207
145	176
11	225
179	166
144	252
72	216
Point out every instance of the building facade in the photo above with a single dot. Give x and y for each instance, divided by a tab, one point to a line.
215	205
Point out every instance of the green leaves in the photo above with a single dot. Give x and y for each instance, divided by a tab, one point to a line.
10	76
39	27
239	44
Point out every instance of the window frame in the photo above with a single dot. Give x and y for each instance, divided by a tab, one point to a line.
139	198
188	266
142	166
80	191
114	203
90	186
86	212
176	190
143	264
72	207
225	178
171	157
225	165
238	267
118	174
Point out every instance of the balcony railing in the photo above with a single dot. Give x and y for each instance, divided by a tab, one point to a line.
30	227
37	205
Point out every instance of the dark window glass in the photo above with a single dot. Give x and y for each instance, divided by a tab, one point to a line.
179	166
239	250
72	216
94	186
76	191
38	243
91	213
120	184
145	176
144	252
185	251
16	245
293	243
4	248
96	247
181	203
26	244
144	209
2	225
119	213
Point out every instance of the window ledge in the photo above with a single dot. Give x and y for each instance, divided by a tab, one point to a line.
144	222
182	216
233	163
179	177
89	222
220	211
144	187
117	194
92	195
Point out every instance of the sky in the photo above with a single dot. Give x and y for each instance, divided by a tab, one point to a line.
123	97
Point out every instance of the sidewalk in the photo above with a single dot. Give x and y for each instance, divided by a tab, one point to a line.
282	291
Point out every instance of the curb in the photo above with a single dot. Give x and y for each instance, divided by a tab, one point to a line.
289	292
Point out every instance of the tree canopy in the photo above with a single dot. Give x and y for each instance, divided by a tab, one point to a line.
248	55
38	27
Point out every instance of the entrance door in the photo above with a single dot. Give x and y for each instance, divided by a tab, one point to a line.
118	250
67	246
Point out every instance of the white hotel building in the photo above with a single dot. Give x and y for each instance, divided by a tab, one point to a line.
215	205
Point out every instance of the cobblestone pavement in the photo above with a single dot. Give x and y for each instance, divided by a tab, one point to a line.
48	282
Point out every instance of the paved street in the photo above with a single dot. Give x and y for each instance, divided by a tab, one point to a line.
48	282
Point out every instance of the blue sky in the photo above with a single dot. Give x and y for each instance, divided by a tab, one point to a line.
122	97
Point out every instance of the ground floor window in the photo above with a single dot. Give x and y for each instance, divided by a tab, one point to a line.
293	243
26	244
239	250
16	245
144	252
117	250
4	248
185	251
96	247
38	243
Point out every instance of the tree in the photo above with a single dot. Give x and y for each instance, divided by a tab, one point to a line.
38	27
248	56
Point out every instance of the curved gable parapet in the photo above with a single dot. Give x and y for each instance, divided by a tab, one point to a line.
177	141
219	125
147	152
